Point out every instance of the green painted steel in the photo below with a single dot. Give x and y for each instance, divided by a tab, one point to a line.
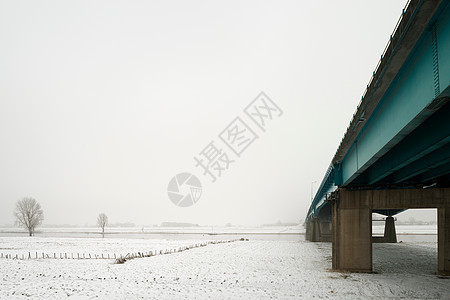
443	45
406	139
427	146
402	107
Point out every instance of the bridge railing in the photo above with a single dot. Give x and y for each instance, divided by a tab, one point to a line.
391	44
325	186
407	15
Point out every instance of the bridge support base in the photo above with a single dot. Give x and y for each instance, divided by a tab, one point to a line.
318	230
352	223
352	236
390	236
315	230
444	240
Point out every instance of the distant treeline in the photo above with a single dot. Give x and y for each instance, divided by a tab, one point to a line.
416	222
178	224
279	223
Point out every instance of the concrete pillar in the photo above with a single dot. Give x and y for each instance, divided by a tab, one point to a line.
315	230
352	234
325	231
307	231
318	230
390	236
444	240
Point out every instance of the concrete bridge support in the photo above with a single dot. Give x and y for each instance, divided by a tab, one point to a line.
352	223
352	234
318	230
444	240
390	235
315	230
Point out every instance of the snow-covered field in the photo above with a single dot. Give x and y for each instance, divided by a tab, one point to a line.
255	269
403	229
72	247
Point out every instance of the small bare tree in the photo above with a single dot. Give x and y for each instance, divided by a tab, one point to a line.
29	214
102	221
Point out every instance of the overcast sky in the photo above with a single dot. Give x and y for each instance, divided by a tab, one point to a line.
103	102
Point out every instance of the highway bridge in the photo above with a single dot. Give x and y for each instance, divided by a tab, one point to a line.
395	154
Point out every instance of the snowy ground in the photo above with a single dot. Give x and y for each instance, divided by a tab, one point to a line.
256	269
403	229
72	247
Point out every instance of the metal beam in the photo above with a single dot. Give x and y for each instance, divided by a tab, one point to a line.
431	161
433	134
408	31
433	174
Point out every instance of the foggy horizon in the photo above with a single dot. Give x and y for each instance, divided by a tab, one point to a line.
102	105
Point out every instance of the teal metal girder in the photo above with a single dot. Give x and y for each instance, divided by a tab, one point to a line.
434	160
326	186
433	173
388	212
443	46
403	107
413	151
420	88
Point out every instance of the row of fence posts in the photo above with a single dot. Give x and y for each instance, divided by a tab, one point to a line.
65	255
117	258
123	259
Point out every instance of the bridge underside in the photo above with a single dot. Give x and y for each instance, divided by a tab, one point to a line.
395	154
421	158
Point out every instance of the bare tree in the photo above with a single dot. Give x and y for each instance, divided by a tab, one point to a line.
29	214
102	221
